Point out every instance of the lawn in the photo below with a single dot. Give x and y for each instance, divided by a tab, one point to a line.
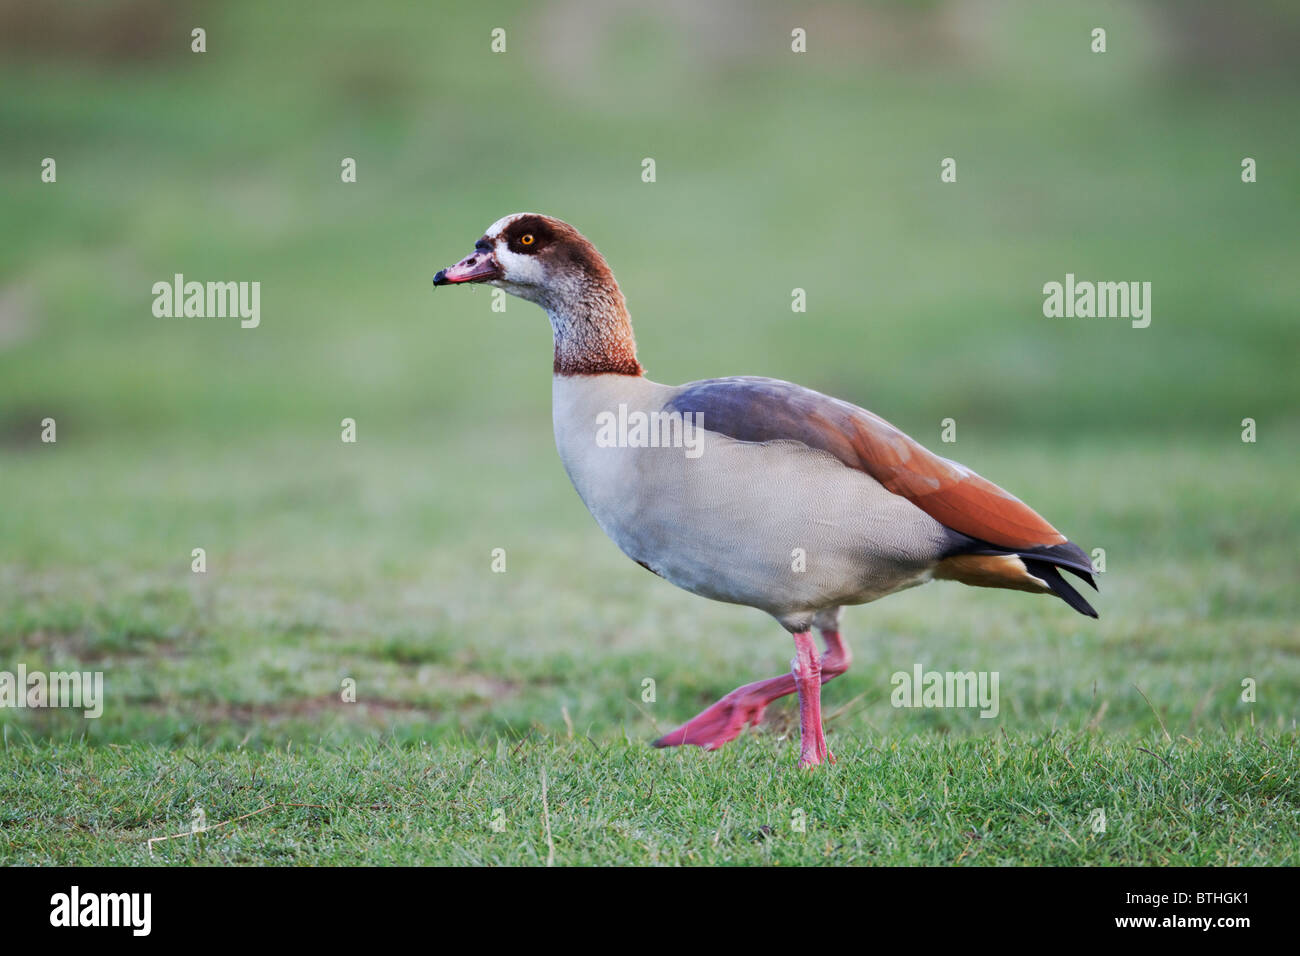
370	565
918	798
225	689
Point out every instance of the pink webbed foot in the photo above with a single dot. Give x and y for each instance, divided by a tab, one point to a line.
744	706
815	755
723	722
814	752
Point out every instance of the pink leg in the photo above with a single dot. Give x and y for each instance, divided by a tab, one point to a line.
837	658
807	672
744	706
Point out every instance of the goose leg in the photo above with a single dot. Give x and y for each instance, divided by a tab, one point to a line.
724	721
744	706
806	669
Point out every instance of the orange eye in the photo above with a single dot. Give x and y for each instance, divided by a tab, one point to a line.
526	240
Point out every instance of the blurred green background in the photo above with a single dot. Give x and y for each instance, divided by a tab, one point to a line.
775	170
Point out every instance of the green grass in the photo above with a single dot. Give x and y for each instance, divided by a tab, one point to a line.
372	562
224	689
1222	799
374	568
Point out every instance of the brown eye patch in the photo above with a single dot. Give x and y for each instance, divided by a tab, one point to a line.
529	235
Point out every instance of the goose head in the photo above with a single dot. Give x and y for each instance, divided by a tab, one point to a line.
535	257
547	261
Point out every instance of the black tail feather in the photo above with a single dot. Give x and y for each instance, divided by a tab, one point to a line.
1068	556
1043	563
1060	587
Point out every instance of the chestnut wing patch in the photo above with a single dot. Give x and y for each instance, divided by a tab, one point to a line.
767	409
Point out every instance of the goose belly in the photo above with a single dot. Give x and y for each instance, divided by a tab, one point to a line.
776	525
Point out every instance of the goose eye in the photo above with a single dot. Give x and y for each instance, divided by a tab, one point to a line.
526	240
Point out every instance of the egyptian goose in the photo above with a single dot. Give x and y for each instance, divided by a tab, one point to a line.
761	492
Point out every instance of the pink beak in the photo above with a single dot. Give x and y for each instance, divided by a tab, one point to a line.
479	267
